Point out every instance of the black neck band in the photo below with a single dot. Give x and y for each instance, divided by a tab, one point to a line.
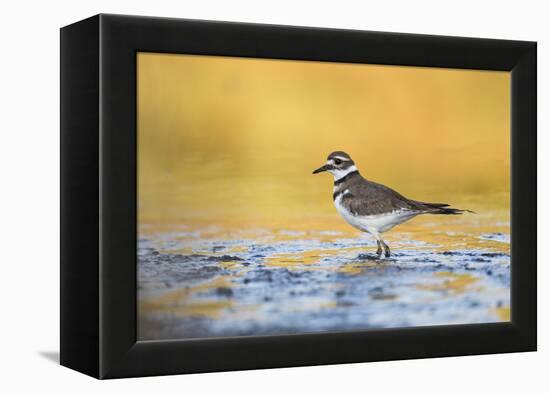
342	179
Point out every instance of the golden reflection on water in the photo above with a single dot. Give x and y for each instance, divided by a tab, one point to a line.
298	258
178	301
446	233
453	282
503	313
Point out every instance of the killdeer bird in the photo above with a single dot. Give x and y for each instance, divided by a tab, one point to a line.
372	207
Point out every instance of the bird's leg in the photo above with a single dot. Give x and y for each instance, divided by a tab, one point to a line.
381	244
387	251
379	250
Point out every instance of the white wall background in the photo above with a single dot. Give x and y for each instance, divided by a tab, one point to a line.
29	215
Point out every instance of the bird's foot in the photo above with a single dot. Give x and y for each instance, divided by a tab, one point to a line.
379	252
387	252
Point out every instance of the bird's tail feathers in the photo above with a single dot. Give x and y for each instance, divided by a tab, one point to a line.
442	208
448	210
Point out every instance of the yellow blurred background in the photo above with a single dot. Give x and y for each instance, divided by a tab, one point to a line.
224	139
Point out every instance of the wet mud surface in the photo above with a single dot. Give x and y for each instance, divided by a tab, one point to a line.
209	284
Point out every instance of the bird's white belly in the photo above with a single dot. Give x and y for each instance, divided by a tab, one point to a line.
374	223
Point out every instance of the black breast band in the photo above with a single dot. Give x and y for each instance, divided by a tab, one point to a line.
343	179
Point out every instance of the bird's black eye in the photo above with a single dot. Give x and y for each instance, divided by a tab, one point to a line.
337	161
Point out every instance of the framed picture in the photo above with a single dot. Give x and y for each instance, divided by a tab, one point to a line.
239	196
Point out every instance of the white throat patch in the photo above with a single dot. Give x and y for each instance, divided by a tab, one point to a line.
340	173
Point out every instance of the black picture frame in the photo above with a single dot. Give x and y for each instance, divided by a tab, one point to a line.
98	195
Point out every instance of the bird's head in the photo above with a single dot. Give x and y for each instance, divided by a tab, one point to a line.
339	164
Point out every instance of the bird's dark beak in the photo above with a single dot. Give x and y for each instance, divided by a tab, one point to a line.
322	169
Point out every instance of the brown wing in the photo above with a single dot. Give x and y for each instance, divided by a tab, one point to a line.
373	198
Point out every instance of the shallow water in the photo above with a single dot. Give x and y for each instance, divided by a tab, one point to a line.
209	280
